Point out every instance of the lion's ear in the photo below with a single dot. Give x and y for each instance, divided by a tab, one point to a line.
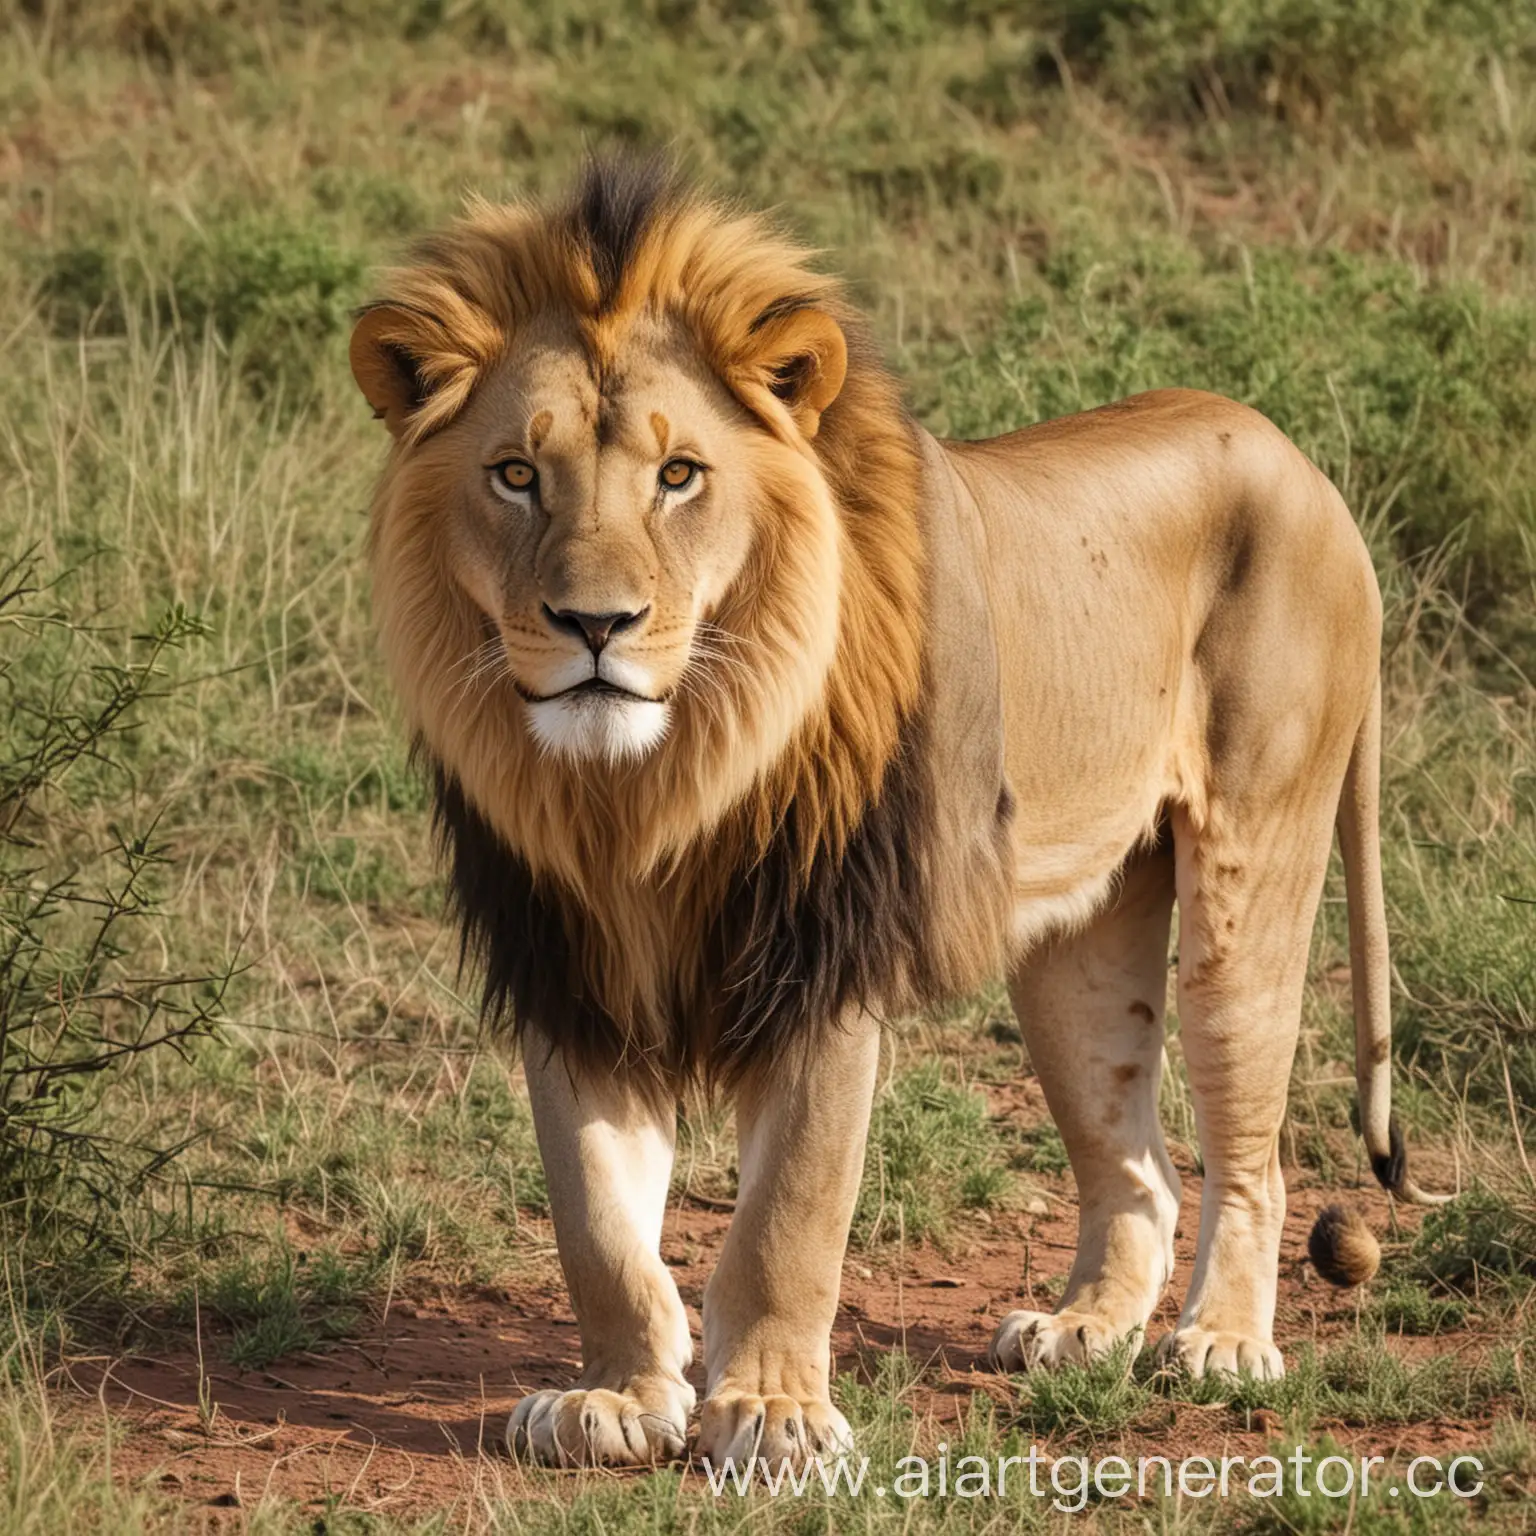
389	345
802	357
417	367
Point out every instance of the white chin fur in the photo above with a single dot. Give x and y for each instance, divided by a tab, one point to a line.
602	727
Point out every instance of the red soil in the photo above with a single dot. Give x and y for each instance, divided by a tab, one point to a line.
410	1417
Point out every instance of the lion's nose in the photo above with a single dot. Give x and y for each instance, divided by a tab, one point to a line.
597	629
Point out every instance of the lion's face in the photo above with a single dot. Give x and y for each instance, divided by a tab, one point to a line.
598	526
644	556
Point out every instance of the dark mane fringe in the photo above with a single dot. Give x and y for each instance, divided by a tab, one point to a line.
616	201
790	954
784	957
516	932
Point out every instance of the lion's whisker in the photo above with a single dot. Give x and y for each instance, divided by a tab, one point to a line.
486	664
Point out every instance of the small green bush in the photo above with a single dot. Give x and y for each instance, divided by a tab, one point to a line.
73	1012
1404	1307
1483	1237
273	292
1101	1398
281	1301
1388	67
1044	1151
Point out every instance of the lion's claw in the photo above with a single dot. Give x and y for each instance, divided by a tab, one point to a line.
1198	1352
743	1428
593	1428
1028	1341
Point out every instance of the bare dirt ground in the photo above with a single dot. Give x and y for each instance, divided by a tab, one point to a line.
410	1416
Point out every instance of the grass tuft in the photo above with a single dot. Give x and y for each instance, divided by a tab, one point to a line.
933	1153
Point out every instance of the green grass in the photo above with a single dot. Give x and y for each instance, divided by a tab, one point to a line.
1086	1403
1356	1384
1321	207
280	1302
1348	356
932	1154
1361	1383
1405	1308
1044	1151
1485	1241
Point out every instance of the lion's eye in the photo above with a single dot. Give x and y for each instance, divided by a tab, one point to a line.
678	474
513	479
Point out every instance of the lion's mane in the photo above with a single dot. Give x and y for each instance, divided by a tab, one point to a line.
670	915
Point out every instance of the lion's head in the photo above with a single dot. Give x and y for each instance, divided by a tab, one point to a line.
645	553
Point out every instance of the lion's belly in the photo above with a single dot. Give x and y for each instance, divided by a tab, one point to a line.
1098	696
1037	916
1093	752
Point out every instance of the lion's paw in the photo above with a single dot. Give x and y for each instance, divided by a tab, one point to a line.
596	1428
745	1429
1032	1341
1198	1352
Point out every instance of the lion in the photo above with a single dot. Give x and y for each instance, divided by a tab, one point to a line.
756	715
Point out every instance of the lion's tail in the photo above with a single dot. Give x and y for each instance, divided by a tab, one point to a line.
1370	968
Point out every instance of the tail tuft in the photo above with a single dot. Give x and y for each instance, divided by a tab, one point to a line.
1343	1250
1391	1170
1391	1166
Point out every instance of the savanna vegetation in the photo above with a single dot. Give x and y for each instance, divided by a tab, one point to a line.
245	1106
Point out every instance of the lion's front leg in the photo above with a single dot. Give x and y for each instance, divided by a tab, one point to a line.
770	1305
607	1154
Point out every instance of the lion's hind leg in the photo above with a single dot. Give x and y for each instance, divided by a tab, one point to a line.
1249	881
1090	1005
607	1153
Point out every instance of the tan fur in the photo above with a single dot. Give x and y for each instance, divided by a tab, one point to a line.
1110	662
